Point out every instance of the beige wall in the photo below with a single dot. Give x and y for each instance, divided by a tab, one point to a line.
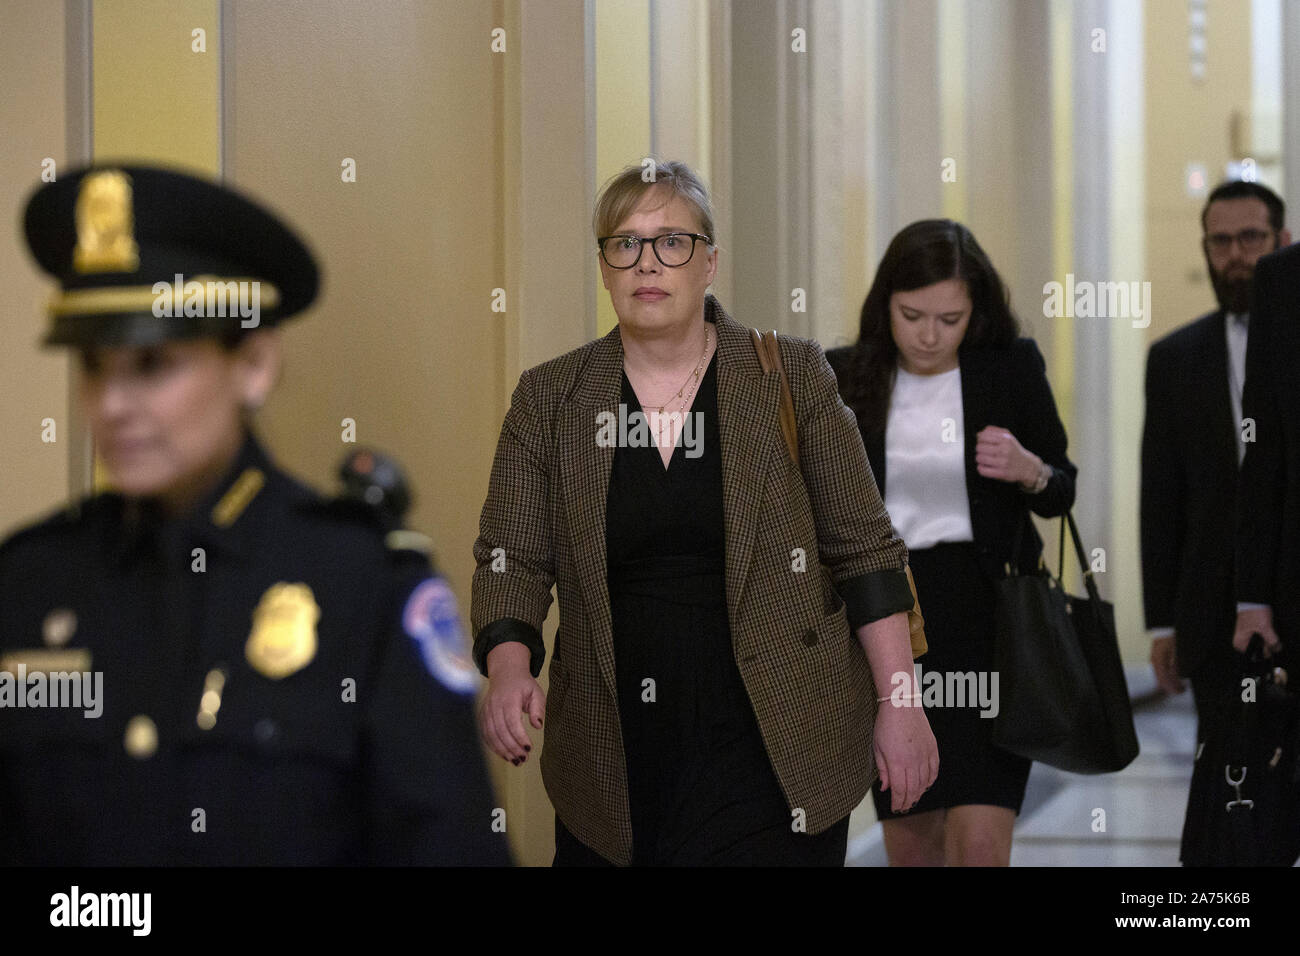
1188	121
404	340
33	383
156	82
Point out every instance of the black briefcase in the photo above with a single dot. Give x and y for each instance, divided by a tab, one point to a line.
1064	697
1243	808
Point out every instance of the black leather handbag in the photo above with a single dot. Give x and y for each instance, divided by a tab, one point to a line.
1064	698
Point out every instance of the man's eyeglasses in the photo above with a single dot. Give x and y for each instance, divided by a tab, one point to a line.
1250	240
674	249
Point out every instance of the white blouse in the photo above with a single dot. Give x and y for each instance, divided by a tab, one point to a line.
925	460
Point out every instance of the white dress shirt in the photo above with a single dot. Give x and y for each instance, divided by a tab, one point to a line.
925	460
1235	328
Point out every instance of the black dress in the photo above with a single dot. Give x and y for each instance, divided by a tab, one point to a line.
700	784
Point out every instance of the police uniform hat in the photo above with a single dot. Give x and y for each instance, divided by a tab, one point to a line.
144	254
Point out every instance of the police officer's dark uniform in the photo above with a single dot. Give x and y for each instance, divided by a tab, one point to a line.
278	687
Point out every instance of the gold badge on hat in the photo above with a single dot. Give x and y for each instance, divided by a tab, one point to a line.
283	639
105	224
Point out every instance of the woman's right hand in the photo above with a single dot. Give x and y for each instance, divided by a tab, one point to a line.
907	755
512	692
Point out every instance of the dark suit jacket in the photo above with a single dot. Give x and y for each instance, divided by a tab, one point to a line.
1268	498
1189	486
807	678
1007	388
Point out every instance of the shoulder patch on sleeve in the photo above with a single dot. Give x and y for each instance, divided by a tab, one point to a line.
431	619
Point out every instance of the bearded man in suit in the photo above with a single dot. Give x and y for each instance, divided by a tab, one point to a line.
1193	445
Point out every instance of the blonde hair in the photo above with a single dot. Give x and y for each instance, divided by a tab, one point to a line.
621	195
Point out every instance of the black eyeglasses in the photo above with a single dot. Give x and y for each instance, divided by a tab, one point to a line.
1251	240
673	250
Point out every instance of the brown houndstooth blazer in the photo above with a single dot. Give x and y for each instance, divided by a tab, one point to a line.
807	678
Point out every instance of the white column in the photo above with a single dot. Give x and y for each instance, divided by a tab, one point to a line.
1291	101
549	178
1126	362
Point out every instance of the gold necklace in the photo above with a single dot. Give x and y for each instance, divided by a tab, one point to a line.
693	380
693	377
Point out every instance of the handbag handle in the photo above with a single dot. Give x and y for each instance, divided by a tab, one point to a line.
1084	567
1013	566
1067	520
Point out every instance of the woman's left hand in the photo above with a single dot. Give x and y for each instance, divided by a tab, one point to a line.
999	455
906	753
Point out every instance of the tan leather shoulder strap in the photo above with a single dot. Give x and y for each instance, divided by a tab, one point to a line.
769	357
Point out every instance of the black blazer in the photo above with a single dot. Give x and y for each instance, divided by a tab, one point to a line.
1189	486
1007	388
1268	501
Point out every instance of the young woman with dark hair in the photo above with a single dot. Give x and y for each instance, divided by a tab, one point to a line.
964	441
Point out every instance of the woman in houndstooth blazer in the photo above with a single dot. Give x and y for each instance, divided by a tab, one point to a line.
707	702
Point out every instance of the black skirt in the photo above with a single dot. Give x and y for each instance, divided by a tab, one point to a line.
958	601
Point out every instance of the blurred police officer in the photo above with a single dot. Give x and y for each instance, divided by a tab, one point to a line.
261	679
